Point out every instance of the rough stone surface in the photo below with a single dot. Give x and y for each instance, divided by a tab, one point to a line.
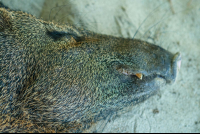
33	7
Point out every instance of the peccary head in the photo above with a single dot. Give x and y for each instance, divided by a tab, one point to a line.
59	74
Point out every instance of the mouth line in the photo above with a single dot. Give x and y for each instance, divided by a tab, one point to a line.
149	77
139	74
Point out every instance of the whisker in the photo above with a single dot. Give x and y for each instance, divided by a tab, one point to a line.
146	19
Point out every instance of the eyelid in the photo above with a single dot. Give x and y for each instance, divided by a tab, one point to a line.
56	35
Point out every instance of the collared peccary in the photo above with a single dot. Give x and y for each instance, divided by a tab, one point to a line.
60	78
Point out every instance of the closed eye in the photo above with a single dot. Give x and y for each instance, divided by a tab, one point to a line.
56	35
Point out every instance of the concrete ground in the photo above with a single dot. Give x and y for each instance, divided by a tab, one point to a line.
176	27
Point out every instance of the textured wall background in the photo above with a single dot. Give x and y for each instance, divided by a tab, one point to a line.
177	28
33	7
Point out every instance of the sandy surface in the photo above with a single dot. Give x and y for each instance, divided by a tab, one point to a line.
33	7
177	107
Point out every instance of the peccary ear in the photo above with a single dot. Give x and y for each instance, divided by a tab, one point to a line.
5	22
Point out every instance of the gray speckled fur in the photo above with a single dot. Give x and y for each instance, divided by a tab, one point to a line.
50	85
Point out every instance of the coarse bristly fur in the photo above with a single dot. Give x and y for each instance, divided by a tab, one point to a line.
60	78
